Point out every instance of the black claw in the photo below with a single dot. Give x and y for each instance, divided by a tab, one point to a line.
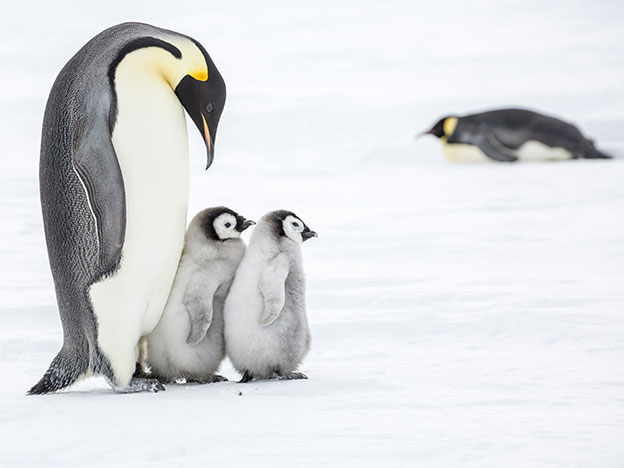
138	372
157	387
247	377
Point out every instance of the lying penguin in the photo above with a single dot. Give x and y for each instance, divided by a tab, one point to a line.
266	326
188	342
509	135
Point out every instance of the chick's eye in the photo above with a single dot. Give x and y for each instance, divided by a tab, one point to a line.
227	225
209	107
296	224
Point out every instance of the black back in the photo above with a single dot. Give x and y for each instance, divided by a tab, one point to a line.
513	127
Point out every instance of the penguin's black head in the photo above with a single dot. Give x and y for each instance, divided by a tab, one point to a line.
438	129
221	223
204	101
288	224
199	86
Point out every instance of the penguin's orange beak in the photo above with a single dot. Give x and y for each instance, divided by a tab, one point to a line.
203	101
208	141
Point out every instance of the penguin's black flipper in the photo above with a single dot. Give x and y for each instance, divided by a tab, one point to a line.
95	161
492	147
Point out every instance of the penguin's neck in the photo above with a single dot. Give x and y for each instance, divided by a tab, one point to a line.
264	243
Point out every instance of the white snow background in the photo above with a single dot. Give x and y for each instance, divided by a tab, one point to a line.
461	315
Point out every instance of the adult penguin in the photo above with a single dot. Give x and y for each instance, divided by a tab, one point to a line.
114	191
509	135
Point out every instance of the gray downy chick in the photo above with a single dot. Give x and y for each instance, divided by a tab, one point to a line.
266	326
188	341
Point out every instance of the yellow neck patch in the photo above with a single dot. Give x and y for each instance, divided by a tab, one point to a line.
449	126
200	75
192	62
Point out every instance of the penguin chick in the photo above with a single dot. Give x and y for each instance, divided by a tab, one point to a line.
188	342
509	135
266	326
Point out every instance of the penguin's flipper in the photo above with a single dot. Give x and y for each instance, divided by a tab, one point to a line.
273	288
492	147
198	303
95	161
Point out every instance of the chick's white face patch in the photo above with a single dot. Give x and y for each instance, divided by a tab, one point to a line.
293	227
225	226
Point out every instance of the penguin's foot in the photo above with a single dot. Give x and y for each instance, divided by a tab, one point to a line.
212	379
141	385
290	376
247	377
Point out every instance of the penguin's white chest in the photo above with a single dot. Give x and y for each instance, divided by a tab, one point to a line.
458	152
150	141
529	151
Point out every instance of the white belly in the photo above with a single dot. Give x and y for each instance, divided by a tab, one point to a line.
151	143
457	152
529	151
536	151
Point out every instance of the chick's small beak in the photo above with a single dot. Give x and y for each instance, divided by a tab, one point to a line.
246	224
305	235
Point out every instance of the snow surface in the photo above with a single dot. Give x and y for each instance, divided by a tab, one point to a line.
464	316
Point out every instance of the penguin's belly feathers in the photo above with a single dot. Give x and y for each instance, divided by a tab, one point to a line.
263	349
150	140
246	340
463	153
535	151
531	150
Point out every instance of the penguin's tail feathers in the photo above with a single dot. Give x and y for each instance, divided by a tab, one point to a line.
597	154
64	370
591	152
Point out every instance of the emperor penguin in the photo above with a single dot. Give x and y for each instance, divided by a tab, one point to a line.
509	135
188	341
266	326
114	183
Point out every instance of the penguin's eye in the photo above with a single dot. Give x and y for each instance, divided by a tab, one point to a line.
209	107
295	224
227	225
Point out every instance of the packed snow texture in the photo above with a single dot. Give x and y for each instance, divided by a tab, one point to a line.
461	315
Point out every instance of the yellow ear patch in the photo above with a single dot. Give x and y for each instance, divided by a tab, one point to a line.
449	125
200	75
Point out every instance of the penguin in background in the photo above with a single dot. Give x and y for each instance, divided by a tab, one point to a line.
266	326
188	341
509	135
114	191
